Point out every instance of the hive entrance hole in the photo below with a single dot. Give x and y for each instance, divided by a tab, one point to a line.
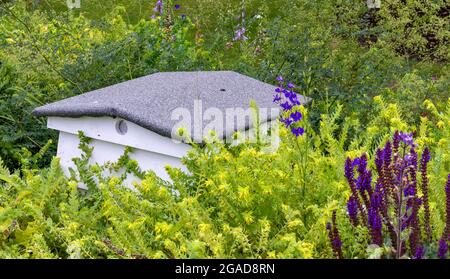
121	127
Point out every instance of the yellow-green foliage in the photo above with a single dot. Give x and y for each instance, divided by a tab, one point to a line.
236	202
417	28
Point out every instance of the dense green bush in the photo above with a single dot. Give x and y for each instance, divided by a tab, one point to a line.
47	56
277	206
417	28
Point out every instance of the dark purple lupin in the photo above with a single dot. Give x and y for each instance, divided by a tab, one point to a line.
352	210
426	206
335	239
413	202
443	248
375	226
420	253
350	175
396	144
447	221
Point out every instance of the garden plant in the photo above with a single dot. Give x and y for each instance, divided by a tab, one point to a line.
362	172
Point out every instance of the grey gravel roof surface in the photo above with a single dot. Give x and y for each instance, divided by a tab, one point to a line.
149	101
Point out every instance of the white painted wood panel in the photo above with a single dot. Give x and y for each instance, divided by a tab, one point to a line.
104	128
107	151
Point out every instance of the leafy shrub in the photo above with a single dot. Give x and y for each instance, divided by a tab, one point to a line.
48	56
417	28
413	89
277	206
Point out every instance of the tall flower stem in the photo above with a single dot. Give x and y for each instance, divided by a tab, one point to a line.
399	219
400	211
303	169
426	206
303	163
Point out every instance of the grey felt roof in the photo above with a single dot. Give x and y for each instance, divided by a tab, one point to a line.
149	101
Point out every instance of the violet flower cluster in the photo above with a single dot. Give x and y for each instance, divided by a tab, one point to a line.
389	205
287	99
159	8
239	34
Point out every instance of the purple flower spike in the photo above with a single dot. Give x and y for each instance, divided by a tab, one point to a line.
362	164
158	8
287	100
426	155
365	177
379	161
396	141
375	224
379	207
177	7
356	162
443	248
426	205
420	252
387	154
349	173
352	210
334	237
447	222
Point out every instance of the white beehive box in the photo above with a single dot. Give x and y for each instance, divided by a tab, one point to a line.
145	114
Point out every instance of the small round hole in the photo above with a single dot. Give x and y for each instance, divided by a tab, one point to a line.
223	90
121	127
